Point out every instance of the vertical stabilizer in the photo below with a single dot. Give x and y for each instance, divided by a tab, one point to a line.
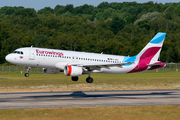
150	53
152	50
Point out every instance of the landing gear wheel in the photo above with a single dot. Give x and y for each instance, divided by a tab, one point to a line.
74	78
26	74
89	80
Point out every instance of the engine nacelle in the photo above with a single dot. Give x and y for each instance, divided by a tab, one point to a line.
72	70
51	70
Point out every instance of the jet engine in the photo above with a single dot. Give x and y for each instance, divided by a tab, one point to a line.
72	70
51	70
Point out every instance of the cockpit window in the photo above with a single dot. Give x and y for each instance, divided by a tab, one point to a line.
18	52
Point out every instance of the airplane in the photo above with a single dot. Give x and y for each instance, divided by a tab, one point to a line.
75	64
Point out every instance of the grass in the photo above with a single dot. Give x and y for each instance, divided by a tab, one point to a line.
165	112
13	81
16	82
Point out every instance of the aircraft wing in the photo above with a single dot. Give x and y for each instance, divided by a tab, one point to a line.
101	65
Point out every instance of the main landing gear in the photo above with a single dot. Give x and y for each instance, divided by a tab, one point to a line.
27	74
88	79
74	78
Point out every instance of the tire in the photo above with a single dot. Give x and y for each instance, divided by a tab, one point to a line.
89	80
74	78
26	74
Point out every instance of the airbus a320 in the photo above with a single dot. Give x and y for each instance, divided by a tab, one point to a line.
75	64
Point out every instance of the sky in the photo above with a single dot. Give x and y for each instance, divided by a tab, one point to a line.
39	4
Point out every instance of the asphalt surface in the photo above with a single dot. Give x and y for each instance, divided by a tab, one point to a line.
89	98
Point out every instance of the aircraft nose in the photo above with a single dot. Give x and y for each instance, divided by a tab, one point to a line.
8	58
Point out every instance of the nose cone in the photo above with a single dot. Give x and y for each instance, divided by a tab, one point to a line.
8	58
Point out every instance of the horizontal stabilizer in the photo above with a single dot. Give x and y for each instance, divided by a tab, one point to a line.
156	64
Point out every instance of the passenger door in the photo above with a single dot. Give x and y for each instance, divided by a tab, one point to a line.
31	54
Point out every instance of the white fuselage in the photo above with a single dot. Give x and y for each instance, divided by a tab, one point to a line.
75	64
48	58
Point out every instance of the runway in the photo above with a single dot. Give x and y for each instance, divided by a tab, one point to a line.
89	98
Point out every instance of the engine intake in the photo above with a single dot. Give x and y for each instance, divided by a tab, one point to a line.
72	70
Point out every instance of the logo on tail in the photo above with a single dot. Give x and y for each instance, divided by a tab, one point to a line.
147	59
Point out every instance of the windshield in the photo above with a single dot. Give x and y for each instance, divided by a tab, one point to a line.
18	52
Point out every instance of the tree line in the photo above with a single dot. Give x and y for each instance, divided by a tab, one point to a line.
112	28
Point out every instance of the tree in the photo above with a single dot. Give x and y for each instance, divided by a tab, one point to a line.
107	13
7	10
103	5
46	10
69	8
117	24
131	19
59	9
26	12
39	40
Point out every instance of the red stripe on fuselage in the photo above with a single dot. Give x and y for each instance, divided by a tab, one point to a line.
69	70
145	59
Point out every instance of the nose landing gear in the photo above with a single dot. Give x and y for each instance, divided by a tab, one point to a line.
27	74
